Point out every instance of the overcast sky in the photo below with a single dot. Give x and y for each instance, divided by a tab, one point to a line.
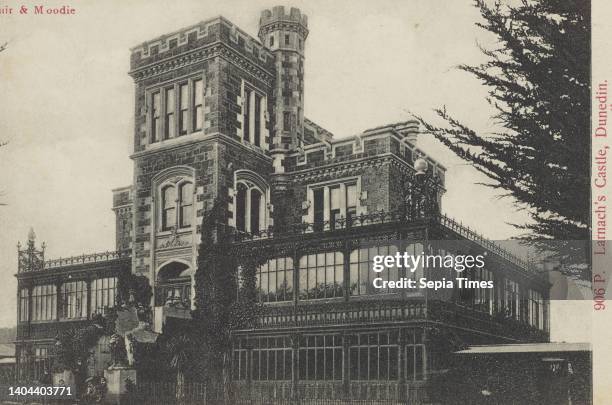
66	104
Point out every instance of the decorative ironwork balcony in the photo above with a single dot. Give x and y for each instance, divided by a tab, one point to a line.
385	217
29	262
386	310
336	313
87	258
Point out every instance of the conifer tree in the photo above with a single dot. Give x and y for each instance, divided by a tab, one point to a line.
538	77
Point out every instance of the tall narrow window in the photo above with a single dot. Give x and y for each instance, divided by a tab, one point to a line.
247	115
255	207
351	203
241	197
184	108
155	116
287	121
257	129
44	303
170	124
74	300
103	292
168	208
198	97
271	40
318	209
186	204
334	206
287	40
24	302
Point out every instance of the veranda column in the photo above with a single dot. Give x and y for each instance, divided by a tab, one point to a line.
346	377
58	299
402	385
88	287
295	346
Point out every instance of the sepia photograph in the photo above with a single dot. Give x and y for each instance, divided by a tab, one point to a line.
304	202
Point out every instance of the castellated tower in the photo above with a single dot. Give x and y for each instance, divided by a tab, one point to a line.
284	34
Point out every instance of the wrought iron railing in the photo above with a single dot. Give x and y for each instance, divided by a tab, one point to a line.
372	311
491	246
86	258
387	217
336	313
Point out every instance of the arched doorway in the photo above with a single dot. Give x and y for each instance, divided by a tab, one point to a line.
173	285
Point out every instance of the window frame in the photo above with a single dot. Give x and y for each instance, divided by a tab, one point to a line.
158	131
328	222
177	205
44	303
253	115
249	180
317	266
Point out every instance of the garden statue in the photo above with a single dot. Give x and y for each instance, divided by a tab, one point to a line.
118	352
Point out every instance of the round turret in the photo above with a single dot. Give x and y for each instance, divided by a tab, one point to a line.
284	34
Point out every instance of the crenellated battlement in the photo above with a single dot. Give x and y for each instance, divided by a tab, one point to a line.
204	33
278	18
278	14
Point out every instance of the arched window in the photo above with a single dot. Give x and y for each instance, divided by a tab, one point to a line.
176	206
255	208
250	206
241	203
185	204
168	207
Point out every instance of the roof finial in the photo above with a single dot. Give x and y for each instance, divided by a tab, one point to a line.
31	235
